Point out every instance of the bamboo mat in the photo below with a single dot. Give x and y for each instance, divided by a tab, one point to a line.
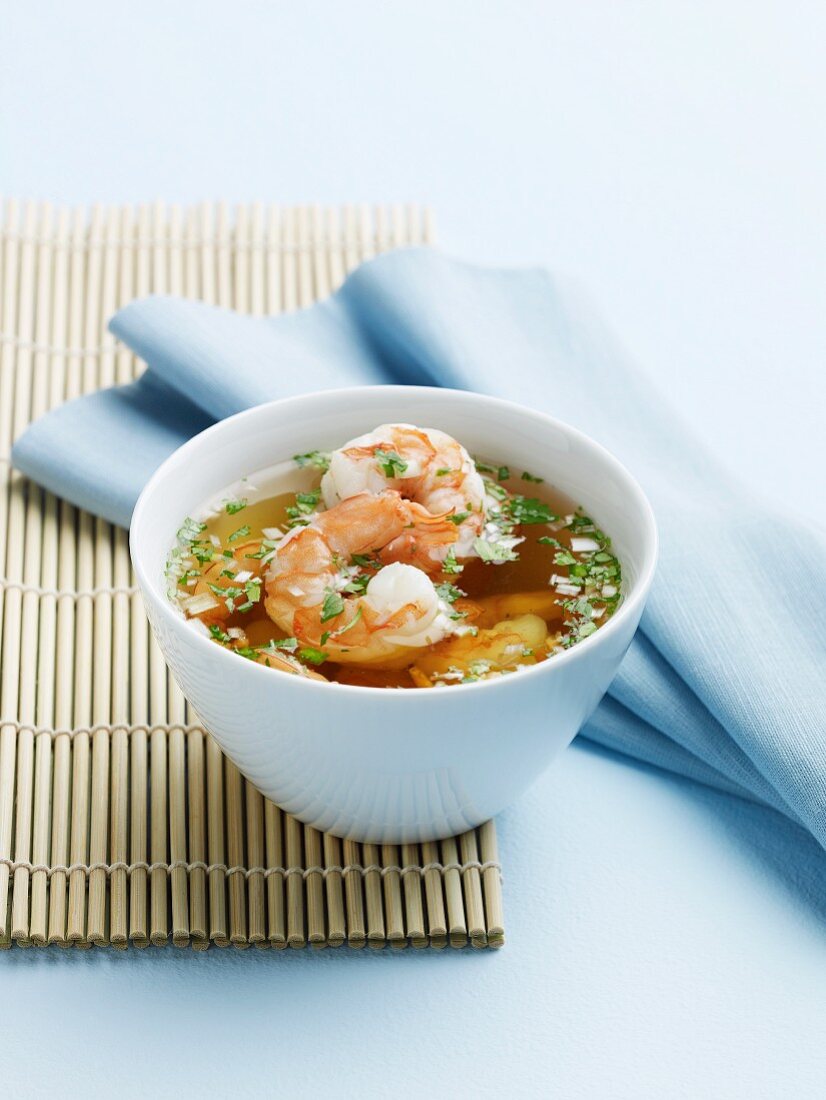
121	823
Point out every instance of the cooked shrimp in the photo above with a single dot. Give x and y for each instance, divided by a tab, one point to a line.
354	609
428	468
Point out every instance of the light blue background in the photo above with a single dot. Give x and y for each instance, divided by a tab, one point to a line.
669	155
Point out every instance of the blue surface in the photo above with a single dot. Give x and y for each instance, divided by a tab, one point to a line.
671	158
700	693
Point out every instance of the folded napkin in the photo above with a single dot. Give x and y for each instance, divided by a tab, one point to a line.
725	680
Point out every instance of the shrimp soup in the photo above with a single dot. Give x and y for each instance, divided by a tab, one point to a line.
396	561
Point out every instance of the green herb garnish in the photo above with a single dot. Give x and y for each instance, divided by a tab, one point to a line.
503	473
344	629
286	645
312	655
267	547
450	565
528	510
364	561
233	506
305	505
498	492
449	592
530	477
392	463
494	552
189	530
230	594
319	459
358	585
241	533
203	552
333	605
459	517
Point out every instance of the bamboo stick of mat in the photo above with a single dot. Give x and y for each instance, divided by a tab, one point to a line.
24	523
66	607
44	396
121	611
8	701
176	703
120	822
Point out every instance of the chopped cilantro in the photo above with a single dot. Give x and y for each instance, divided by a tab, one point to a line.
344	629
450	565
459	517
190	529
233	506
312	655
286	645
391	462
229	594
493	552
365	561
333	605
267	547
358	585
530	477
498	492
503	473
305	505
546	540
528	510
218	634
444	471
449	592
203	552
241	533
319	459
564	557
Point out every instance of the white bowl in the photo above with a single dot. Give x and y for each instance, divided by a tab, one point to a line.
369	763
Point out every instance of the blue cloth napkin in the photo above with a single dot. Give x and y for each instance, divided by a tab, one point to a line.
725	680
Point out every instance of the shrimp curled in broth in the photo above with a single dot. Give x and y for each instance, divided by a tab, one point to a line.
357	611
429	469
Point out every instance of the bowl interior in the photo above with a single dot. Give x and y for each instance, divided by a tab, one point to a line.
498	430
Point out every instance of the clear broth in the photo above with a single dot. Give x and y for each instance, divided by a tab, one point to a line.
583	605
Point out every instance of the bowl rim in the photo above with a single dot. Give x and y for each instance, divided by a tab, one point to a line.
633	602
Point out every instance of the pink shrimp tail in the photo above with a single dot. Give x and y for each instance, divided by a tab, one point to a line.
419	544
